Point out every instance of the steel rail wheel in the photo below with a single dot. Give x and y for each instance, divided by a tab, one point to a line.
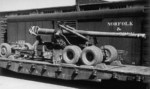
91	55
71	54
110	53
5	50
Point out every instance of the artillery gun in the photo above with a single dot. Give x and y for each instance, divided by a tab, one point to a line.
72	46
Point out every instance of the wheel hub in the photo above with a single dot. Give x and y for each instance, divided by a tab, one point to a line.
3	51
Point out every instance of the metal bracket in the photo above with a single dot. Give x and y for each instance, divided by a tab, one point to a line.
59	69
44	69
93	75
32	68
20	67
8	64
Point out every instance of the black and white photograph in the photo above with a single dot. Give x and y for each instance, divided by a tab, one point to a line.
74	44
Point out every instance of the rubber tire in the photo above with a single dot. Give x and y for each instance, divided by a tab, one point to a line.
8	50
29	46
76	51
112	51
97	55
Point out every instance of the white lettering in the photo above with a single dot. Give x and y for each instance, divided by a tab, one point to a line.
130	23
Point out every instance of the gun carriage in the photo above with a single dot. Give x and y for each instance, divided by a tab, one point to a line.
69	45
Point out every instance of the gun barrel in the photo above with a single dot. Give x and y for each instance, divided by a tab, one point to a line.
113	34
45	31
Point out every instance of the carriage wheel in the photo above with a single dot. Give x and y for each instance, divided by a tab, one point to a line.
91	55
5	50
110	53
71	54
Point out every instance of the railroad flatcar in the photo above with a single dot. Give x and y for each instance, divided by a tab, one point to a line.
96	41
